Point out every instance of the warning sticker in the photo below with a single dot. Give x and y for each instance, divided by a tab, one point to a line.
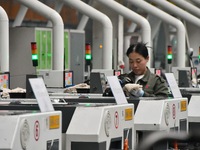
183	105
116	120
173	111
37	130
54	122
128	114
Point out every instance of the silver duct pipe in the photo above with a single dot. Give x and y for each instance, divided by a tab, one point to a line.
188	6
84	19
20	16
107	28
58	30
181	51
4	41
122	10
83	22
178	11
58	8
196	2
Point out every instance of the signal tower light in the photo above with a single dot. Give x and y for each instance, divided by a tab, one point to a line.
34	54
169	54
88	55
199	52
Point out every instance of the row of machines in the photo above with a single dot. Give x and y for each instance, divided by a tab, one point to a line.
91	121
81	126
188	84
151	114
164	116
106	127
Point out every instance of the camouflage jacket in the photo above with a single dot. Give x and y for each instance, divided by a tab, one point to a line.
153	85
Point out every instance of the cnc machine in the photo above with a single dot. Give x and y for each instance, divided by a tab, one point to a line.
101	128
169	115
30	130
101	125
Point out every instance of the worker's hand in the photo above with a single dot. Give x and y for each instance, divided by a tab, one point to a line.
137	93
133	89
130	86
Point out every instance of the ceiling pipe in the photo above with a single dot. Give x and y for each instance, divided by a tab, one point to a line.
120	44
84	19
20	16
58	8
107	28
129	14
196	1
155	25
83	22
181	51
132	27
126	46
58	30
4	41
187	6
171	8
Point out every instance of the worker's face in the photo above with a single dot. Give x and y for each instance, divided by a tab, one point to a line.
137	63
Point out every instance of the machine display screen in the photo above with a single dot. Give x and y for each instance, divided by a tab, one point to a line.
68	78
158	72
5	80
193	72
117	72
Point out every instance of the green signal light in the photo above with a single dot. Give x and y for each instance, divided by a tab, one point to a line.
35	57
169	56
87	104
199	56
88	57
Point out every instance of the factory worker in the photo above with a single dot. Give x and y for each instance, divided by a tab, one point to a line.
140	82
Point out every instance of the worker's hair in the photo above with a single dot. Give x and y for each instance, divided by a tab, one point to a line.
139	48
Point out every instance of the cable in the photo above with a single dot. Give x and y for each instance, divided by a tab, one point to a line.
126	141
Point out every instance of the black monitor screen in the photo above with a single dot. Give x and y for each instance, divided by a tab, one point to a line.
5	80
68	78
29	91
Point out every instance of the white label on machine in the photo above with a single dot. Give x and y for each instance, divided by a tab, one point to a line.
117	91
173	85
41	94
